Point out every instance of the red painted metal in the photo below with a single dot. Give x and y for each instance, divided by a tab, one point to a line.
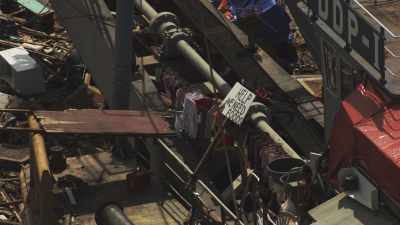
367	134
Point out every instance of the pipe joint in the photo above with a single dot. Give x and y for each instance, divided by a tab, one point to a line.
163	22
171	38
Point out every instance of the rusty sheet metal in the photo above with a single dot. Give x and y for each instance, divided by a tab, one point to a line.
91	121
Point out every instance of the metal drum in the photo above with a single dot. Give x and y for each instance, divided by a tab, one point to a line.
285	170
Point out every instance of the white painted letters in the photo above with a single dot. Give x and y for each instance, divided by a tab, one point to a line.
352	25
323	9
338	16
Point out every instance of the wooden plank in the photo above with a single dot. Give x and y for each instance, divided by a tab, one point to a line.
312	85
118	122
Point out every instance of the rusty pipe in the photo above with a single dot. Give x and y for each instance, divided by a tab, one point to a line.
39	150
42	179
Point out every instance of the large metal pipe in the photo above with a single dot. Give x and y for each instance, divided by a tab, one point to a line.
41	175
203	67
111	214
148	11
259	118
39	150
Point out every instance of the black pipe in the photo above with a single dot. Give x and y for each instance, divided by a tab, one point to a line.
111	214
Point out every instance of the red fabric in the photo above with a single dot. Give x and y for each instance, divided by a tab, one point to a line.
223	5
367	132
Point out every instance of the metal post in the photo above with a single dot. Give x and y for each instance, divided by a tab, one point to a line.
259	118
123	55
123	65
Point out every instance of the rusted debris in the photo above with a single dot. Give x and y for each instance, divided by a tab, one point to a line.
14	154
10	198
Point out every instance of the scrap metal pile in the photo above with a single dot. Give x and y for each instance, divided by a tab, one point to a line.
29	28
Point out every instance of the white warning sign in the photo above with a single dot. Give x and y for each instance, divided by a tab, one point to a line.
237	103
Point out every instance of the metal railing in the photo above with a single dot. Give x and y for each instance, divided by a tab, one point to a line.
389	34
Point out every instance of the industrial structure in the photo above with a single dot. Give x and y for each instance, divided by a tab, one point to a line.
199	112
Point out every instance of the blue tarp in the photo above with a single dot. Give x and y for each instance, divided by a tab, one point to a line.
274	20
243	8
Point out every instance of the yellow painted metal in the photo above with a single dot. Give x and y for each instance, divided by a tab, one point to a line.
41	176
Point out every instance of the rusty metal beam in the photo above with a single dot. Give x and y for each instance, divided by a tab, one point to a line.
107	122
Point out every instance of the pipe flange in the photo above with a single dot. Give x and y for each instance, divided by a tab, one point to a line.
170	39
162	18
178	35
259	107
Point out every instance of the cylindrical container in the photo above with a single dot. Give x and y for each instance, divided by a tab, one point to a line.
285	169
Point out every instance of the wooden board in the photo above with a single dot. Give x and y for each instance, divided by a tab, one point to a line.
312	85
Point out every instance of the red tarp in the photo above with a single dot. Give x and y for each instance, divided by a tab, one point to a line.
367	133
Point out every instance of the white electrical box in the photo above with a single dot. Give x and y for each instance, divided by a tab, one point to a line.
21	71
